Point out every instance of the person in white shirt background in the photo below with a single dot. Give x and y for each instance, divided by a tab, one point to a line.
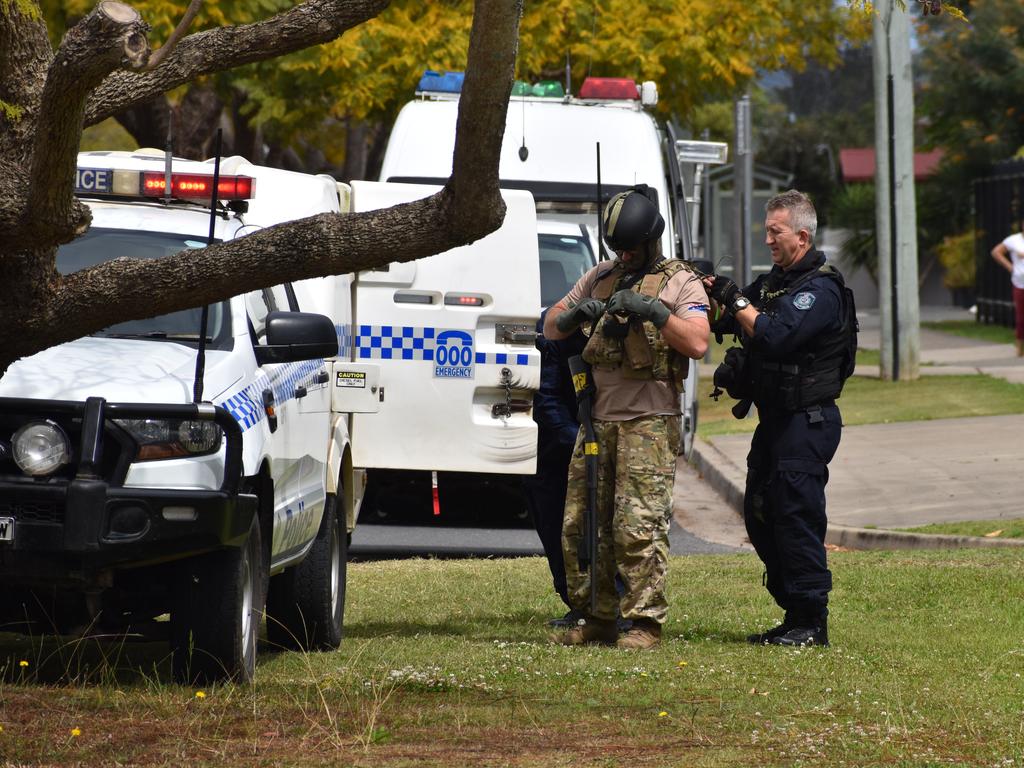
1010	255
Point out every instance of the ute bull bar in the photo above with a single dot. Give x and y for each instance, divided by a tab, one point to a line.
100	523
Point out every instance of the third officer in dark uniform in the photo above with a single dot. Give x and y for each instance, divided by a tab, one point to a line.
797	328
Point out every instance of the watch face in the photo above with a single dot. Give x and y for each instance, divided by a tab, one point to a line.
741	303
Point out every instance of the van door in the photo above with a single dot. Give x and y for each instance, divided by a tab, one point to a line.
445	346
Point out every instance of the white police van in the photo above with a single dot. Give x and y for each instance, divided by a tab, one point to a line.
550	149
438	364
127	494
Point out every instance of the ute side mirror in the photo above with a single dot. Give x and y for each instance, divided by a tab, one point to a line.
295	336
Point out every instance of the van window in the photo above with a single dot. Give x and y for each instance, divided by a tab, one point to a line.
564	259
99	245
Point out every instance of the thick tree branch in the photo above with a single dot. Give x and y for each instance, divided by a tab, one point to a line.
468	208
113	35
216	50
94	298
64	308
490	69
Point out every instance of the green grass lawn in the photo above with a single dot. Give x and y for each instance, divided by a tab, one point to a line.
997	529
872	401
445	663
997	334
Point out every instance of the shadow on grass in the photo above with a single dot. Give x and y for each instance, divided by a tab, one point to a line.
520	626
523	626
90	660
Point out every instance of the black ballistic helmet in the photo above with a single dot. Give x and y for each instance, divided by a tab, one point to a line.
630	220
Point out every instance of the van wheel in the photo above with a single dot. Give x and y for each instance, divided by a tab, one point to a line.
216	617
306	603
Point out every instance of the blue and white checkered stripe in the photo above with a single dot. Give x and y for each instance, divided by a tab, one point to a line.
285	379
395	342
246	405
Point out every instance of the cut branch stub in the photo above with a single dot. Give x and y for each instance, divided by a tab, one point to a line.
136	44
121	13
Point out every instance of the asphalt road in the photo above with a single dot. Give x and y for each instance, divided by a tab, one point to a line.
702	524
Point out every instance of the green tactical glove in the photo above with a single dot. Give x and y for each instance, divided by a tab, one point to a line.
627	302
587	309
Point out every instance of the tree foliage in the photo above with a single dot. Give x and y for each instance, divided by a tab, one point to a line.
696	50
970	97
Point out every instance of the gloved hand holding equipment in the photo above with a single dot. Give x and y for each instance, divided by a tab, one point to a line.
724	291
628	302
587	309
586	552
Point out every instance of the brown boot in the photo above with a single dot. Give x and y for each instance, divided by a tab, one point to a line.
643	636
1020	348
589	630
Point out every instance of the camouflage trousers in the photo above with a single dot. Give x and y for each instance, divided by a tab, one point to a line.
636	470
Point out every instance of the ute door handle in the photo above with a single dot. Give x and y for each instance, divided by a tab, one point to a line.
322	377
300	392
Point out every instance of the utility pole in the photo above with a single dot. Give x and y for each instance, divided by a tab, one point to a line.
743	190
895	211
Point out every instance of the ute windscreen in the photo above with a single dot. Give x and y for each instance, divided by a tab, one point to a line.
99	245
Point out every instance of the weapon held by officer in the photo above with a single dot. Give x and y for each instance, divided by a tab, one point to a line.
586	552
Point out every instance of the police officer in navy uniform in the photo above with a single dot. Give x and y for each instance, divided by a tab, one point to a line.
554	410
794	326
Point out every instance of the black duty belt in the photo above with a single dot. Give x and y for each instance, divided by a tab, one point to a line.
784	367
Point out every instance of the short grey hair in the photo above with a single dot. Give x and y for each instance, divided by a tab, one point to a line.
801	210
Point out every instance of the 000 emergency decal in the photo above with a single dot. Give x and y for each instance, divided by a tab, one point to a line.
453	355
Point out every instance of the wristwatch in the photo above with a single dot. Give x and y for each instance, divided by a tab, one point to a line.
741	302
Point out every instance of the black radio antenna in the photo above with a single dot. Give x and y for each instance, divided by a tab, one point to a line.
602	253
204	320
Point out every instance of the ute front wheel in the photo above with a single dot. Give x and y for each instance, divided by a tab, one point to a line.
218	607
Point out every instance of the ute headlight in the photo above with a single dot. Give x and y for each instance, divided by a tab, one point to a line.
172	438
40	448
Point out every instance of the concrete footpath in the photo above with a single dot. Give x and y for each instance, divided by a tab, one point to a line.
909	474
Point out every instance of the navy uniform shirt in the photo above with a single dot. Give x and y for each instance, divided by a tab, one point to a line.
791	323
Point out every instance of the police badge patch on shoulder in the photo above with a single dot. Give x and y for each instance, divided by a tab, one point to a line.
804	300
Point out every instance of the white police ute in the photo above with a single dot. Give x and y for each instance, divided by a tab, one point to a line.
126	495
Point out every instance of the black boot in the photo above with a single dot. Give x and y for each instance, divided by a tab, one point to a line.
571	619
804	633
761	638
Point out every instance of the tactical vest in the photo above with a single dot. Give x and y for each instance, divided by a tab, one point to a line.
636	346
812	376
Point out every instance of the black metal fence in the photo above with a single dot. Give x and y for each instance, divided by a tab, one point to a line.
998	212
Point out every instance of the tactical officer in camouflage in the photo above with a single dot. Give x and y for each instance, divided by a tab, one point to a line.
797	325
645	316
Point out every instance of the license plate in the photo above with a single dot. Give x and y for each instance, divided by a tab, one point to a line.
6	528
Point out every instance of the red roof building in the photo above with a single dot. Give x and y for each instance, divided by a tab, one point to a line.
858	164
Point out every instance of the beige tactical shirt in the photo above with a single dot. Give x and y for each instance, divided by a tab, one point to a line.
619	398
